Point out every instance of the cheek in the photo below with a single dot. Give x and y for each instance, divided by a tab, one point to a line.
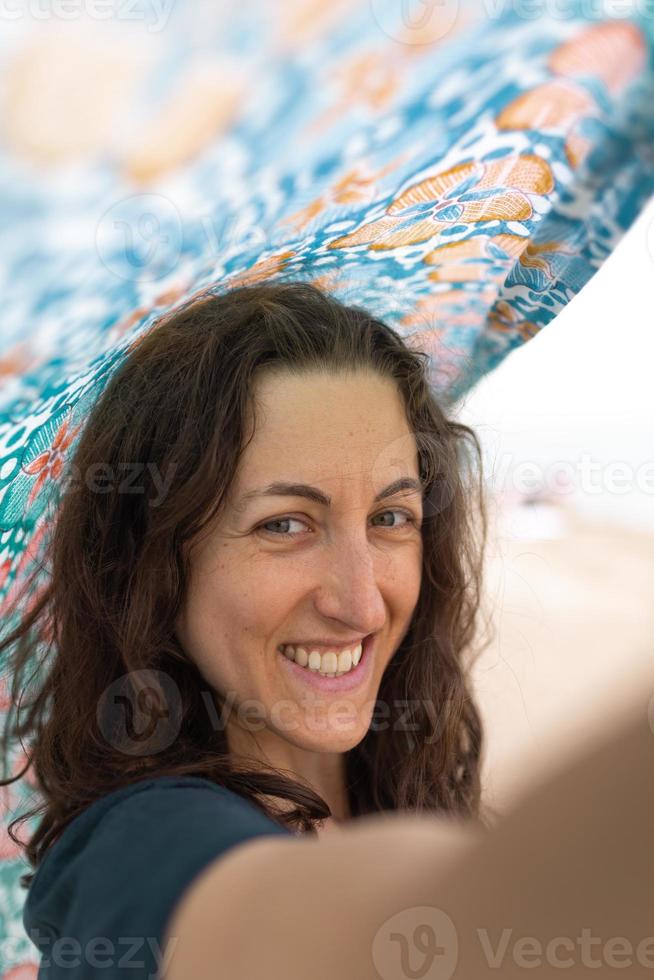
227	622
417	573
406	588
405	574
272	588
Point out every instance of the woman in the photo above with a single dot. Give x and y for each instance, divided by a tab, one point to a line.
257	641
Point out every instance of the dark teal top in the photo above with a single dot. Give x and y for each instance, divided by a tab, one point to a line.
104	892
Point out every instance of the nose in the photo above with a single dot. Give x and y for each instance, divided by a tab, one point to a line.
349	589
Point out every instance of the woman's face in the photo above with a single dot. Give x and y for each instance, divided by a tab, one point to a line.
280	569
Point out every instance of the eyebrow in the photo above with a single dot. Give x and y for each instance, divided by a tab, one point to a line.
280	489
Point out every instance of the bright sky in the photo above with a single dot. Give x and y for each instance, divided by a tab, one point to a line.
583	388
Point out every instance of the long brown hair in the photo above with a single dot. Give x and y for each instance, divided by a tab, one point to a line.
118	567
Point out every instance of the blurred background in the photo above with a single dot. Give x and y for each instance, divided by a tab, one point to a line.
567	426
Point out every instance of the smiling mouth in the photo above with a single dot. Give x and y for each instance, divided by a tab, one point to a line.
332	681
330	663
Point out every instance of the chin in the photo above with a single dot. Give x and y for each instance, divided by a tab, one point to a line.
327	738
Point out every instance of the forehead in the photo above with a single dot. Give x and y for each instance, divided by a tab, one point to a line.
327	425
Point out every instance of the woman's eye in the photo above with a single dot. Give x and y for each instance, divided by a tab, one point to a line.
281	520
409	520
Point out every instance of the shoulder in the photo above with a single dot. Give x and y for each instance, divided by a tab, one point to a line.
161	797
122	864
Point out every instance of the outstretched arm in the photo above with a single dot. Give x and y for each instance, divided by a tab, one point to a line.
564	881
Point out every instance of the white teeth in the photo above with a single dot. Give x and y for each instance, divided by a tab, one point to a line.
329	664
